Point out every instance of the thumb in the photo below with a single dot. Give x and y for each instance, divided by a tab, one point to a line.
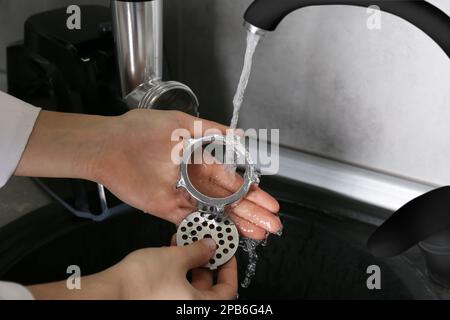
197	254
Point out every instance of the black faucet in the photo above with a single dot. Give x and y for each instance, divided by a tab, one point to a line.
426	219
267	14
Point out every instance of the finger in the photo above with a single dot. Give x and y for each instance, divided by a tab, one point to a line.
248	229
227	281
202	279
247	210
263	199
196	254
250	211
232	181
255	194
257	215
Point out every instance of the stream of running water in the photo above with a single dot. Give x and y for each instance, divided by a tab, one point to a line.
248	245
252	43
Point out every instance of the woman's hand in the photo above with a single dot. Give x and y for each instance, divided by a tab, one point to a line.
131	156
153	273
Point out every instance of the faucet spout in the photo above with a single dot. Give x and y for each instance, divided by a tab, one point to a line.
267	14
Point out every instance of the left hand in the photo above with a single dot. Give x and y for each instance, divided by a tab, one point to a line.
153	273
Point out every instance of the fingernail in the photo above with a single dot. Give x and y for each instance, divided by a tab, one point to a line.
210	243
280	231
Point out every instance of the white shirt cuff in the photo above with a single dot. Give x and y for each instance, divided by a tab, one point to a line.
17	120
14	291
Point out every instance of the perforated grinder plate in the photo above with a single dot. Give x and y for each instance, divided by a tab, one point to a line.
199	225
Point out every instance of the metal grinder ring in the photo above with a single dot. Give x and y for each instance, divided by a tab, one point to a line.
205	223
210	204
199	225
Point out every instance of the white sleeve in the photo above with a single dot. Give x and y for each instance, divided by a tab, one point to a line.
14	291
17	119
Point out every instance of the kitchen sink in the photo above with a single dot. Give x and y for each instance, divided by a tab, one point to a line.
321	254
